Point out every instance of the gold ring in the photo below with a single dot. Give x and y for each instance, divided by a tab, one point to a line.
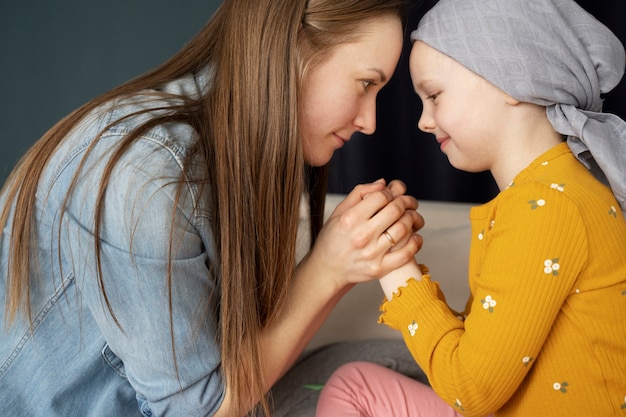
389	238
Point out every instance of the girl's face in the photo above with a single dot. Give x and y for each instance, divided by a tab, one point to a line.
339	95
466	113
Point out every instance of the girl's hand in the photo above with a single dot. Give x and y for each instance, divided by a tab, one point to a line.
353	245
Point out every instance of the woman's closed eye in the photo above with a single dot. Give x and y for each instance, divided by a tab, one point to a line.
368	83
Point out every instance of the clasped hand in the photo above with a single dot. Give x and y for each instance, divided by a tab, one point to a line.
370	233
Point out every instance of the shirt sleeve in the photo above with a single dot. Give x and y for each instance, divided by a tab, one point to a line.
163	330
530	261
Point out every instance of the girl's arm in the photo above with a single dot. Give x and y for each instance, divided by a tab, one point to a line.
479	363
398	278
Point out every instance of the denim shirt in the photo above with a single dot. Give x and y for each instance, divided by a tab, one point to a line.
78	359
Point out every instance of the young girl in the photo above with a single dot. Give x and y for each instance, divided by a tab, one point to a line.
147	247
514	86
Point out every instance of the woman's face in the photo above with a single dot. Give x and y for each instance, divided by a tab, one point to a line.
339	95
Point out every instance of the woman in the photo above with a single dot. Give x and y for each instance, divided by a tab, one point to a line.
149	238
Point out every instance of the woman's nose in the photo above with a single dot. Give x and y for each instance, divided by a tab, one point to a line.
366	118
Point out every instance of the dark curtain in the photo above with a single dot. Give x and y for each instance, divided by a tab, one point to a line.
399	150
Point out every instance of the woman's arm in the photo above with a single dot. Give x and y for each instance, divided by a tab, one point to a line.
350	249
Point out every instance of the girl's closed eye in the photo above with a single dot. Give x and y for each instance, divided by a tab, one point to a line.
432	97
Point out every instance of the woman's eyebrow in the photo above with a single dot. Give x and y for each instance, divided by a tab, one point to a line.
380	72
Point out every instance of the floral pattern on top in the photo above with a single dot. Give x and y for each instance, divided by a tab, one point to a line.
613	211
560	386
535	204
551	266
413	328
488	303
558	187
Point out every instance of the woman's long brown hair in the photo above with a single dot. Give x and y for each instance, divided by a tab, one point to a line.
259	51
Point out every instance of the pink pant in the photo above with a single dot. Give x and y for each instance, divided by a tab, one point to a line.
364	389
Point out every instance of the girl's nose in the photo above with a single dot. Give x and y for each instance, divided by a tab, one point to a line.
426	123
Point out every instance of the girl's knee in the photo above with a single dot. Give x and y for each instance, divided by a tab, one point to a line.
348	390
356	372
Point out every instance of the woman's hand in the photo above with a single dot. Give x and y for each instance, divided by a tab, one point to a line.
351	248
414	222
370	233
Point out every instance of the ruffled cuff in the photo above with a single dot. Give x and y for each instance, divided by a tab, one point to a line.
420	313
407	298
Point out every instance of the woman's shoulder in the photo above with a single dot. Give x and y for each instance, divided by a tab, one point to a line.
161	156
161	144
127	115
162	117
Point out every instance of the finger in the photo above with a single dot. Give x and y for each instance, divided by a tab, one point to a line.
357	194
400	232
411	205
390	239
395	259
397	187
368	207
391	213
418	222
410	202
376	183
420	241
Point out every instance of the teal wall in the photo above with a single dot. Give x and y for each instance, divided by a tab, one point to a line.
55	55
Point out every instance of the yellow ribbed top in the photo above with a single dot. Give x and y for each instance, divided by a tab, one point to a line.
544	330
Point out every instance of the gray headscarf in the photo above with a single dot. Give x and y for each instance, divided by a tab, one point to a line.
548	52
